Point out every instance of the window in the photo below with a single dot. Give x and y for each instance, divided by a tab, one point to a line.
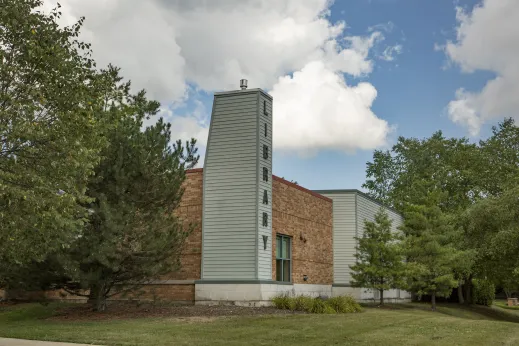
265	174
265	220
265	129
265	197
265	152
265	107
283	258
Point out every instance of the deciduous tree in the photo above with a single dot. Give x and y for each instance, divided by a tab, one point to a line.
49	132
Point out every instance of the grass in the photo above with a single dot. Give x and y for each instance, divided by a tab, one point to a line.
409	324
503	304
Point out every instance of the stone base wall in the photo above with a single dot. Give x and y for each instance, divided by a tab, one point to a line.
253	294
364	295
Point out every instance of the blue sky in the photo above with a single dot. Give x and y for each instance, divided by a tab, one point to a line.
347	76
413	90
413	95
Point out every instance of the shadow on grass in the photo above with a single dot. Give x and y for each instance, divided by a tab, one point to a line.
27	312
471	312
503	305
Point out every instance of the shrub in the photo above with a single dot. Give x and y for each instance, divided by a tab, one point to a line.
318	306
344	304
303	303
283	302
329	310
484	292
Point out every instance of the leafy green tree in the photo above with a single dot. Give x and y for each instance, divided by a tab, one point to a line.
500	158
49	132
414	168
429	249
492	226
510	283
379	263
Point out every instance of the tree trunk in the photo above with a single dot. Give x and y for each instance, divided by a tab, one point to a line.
468	290
508	292
381	297
460	292
97	298
433	301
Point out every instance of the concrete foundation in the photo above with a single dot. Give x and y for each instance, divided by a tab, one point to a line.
253	294
364	295
261	294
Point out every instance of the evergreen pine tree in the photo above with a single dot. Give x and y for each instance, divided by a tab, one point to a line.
379	263
431	255
133	234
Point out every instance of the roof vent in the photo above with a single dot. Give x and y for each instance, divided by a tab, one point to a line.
243	84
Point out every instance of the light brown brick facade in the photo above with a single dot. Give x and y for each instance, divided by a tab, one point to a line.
190	211
307	218
297	212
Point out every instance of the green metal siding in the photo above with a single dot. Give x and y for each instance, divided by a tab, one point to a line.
350	209
228	226
232	244
344	228
366	210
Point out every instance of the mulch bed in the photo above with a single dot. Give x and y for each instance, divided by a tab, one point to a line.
83	312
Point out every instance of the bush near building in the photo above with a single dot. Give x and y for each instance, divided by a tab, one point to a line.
341	304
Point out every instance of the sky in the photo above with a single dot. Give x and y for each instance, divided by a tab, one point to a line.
347	76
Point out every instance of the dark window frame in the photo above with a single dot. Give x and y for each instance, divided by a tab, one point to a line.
282	258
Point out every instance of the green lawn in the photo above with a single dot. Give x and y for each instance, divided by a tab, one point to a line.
411	324
503	304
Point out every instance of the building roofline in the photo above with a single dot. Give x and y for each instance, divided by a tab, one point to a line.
299	187
246	91
363	194
194	170
275	177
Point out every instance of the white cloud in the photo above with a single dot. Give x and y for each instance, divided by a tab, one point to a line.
387	27
165	46
316	109
391	52
136	36
487	39
352	60
184	127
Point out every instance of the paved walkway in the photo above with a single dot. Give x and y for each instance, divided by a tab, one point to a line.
20	342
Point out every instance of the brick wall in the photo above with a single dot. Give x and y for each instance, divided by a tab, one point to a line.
161	293
190	211
151	293
300	213
297	212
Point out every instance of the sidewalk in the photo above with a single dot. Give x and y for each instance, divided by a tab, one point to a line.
20	342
